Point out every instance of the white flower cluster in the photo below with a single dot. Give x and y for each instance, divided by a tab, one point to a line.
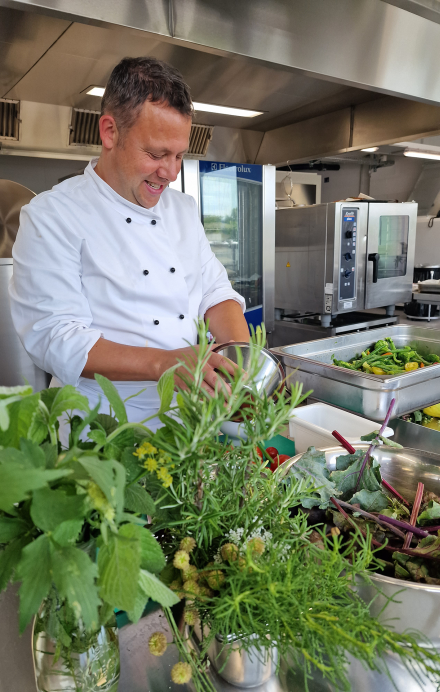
238	537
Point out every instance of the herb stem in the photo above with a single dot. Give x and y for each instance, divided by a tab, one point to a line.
403	525
394	492
374	443
414	513
381	520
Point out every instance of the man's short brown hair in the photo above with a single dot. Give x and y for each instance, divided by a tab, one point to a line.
136	80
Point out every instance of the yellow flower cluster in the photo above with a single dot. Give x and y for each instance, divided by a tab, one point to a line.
155	460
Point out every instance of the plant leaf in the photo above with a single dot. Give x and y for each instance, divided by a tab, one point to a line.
87	420
74	575
138	500
109	476
119	566
11	528
430	514
50	508
9	559
38	430
68	531
33	453
20	390
345	480
152	557
20	415
104	421
165	389
370	501
50	454
113	397
156	590
131	464
141	601
97	436
34	570
67	399
312	466
16	481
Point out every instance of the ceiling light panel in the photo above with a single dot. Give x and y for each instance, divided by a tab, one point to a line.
96	91
371	149
225	110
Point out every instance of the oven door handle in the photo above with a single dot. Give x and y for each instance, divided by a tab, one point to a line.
374	257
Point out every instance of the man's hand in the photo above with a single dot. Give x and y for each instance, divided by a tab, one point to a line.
212	380
134	363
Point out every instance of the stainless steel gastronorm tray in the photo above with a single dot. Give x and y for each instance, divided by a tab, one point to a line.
369	395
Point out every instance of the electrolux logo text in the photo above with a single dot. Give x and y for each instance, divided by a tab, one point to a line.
221	166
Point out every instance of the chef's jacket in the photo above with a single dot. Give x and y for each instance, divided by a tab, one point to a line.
89	263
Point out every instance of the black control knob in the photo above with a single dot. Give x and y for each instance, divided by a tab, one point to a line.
347	273
349	234
347	256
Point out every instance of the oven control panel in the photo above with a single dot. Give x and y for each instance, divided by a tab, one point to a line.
347	264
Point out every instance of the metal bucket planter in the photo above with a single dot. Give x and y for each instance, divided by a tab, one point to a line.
415	606
242	668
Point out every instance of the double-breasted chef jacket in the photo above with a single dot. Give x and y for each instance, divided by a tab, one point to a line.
89	264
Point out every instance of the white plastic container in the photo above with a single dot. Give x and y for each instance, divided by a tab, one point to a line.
313	425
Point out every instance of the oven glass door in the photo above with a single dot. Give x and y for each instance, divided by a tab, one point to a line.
390	254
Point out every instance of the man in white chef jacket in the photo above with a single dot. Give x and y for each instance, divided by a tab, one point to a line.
111	268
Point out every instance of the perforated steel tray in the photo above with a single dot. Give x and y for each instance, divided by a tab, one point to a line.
369	395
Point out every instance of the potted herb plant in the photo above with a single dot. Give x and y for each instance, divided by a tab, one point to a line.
72	533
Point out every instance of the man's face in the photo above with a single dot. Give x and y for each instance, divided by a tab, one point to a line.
140	163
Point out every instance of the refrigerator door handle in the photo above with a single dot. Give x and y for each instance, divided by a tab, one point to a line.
374	257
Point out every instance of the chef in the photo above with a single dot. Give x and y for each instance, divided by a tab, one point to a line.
112	268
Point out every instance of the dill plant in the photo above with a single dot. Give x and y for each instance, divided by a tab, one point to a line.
255	567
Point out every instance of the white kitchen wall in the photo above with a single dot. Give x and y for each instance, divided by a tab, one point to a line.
391	182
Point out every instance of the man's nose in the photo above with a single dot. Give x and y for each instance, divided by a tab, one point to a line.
169	169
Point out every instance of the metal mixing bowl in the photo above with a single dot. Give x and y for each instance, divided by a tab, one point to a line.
271	374
414	606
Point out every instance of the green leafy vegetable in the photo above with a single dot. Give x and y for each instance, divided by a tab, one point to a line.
370	501
431	514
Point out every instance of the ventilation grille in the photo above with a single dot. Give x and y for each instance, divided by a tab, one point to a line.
84	128
9	119
199	139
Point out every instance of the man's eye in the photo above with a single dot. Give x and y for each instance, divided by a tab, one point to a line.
154	156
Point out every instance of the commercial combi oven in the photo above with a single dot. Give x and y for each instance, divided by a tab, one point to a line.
344	256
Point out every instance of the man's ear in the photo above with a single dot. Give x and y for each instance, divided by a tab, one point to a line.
108	131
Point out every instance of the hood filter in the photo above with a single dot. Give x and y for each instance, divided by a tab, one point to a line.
84	128
9	119
199	139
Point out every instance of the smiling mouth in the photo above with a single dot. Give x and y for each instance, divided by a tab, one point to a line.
154	186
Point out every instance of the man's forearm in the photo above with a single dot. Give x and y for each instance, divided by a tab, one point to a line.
119	362
127	363
227	323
